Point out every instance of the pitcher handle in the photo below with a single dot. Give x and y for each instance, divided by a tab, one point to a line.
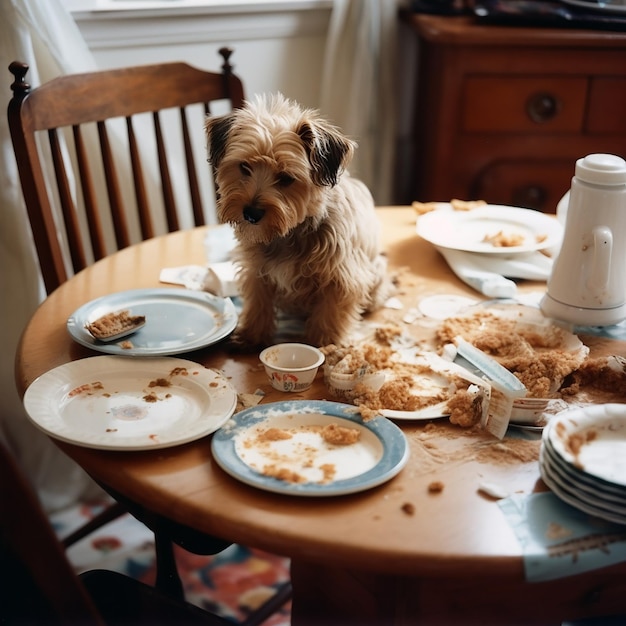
598	278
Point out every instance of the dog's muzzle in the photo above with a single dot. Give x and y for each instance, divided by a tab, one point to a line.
253	214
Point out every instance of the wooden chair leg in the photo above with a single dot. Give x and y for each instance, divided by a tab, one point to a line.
266	610
167	579
112	512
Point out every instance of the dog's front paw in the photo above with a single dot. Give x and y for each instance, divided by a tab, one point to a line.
243	342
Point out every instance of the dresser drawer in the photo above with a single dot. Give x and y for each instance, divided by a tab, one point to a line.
524	104
534	184
607	105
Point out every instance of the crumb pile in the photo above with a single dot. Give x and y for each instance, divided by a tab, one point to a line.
550	362
537	355
115	323
411	381
294	463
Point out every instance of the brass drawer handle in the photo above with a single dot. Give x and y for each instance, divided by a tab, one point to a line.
542	107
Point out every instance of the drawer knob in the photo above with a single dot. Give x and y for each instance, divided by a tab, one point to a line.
542	107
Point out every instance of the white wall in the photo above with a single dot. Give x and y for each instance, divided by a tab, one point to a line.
279	45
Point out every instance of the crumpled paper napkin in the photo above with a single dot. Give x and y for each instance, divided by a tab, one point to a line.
558	540
219	275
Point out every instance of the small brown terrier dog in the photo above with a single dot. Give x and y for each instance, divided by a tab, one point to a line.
307	232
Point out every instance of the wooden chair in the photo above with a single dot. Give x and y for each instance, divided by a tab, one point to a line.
39	586
93	148
73	161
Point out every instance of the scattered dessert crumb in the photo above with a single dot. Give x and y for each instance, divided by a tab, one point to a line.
274	434
408	508
435	487
340	435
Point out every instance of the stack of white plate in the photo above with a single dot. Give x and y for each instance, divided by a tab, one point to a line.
583	459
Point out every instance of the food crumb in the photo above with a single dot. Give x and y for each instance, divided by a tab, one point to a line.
435	487
273	434
408	508
283	473
339	435
160	382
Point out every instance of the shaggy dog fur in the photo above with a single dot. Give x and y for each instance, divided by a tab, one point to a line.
307	232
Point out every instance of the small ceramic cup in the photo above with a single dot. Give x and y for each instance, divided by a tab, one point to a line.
291	366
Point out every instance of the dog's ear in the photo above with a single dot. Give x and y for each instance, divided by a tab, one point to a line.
217	130
328	150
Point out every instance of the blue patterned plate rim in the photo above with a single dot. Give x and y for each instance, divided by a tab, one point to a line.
393	443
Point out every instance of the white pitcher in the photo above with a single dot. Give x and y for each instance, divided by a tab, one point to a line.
587	285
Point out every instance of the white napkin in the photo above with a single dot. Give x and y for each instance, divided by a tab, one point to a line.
490	274
558	540
217	278
221	279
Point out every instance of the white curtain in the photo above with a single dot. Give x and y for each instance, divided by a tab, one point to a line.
358	92
42	34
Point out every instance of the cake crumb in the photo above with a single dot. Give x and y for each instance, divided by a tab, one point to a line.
273	434
408	508
339	435
435	487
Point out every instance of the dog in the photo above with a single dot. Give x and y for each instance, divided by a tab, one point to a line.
306	231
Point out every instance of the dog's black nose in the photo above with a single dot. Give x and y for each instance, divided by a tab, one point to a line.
253	214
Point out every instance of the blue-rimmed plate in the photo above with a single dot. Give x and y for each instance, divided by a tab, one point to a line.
309	448
177	321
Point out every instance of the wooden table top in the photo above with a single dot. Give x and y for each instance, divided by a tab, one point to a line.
458	532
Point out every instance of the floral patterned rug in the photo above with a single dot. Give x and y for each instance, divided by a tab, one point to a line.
231	583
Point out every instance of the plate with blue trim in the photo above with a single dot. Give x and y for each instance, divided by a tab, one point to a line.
310	448
176	321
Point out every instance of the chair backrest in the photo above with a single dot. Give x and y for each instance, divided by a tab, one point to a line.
111	157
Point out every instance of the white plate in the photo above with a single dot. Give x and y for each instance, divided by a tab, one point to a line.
115	403
177	321
239	448
594	494
585	481
593	438
572	497
466	230
612	6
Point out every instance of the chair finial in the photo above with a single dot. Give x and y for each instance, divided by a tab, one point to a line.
20	87
226	53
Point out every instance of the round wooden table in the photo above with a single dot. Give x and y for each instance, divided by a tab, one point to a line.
396	554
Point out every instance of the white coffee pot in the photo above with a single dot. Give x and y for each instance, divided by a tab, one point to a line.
587	285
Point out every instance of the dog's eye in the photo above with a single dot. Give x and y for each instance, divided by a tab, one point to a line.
245	168
284	179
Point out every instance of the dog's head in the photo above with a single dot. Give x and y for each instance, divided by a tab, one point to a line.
273	163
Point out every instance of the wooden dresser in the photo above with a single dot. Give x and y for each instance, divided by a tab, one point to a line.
502	113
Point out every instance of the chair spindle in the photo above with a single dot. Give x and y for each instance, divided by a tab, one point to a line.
143	206
118	217
68	206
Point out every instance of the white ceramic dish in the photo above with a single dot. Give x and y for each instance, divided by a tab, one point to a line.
573	496
593	439
115	403
291	366
177	321
240	448
467	230
593	490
